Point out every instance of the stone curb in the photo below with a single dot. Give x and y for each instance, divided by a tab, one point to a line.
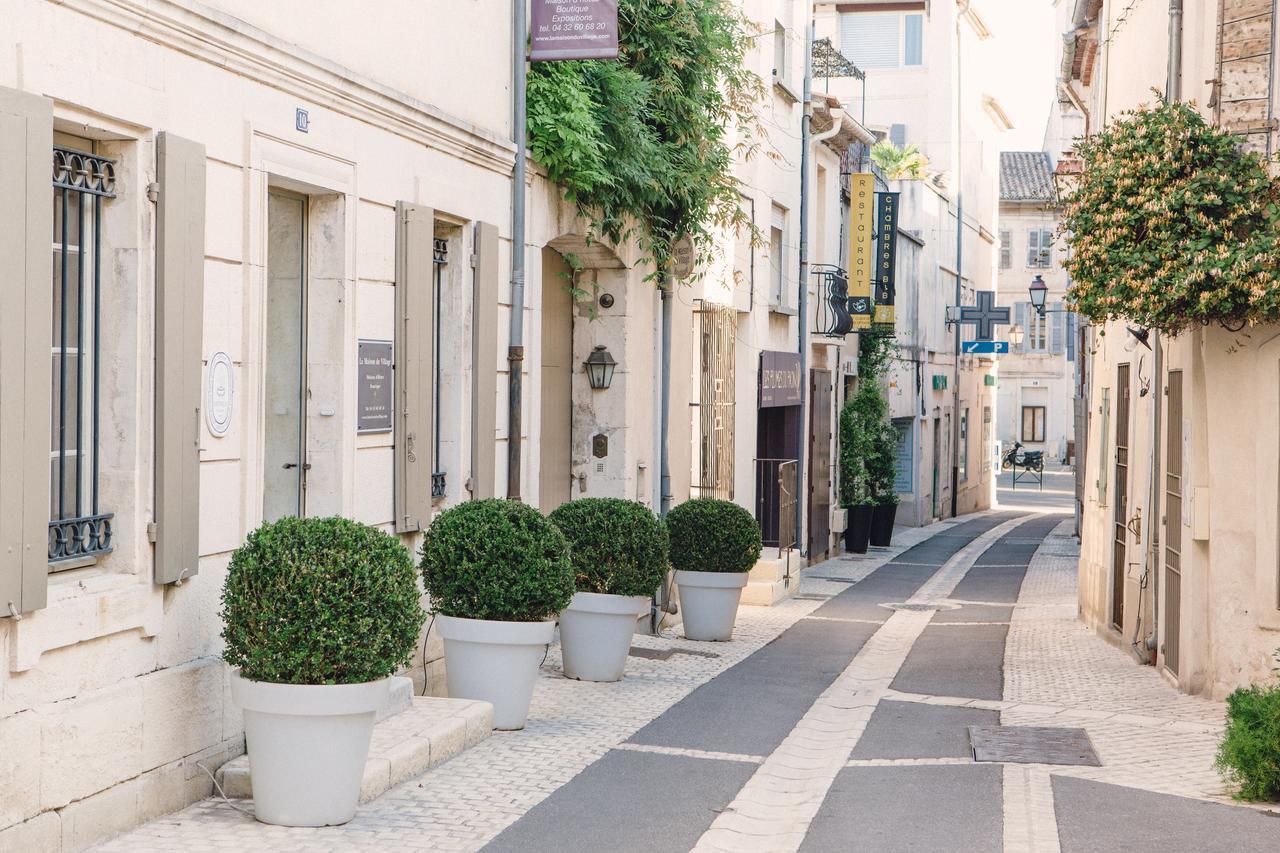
430	732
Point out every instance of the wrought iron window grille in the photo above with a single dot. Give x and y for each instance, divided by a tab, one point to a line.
78	529
440	261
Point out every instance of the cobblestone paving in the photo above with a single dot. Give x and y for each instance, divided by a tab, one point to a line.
1056	673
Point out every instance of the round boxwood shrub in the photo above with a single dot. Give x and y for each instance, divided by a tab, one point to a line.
320	601
496	559
618	547
709	535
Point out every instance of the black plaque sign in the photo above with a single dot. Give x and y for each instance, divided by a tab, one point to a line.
779	379
374	396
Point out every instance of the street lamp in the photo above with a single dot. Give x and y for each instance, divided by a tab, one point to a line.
600	366
1016	336
1038	290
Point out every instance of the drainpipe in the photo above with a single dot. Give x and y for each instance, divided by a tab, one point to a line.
515	348
1151	556
802	498
661	602
962	6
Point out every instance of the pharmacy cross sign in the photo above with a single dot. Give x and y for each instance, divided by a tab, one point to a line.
985	315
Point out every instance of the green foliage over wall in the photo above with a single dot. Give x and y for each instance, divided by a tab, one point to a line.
645	145
1172	225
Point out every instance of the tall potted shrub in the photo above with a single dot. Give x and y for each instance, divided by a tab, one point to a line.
619	553
714	544
856	447
497	572
881	470
318	614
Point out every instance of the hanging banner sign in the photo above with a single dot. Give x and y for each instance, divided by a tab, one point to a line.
861	248
886	257
574	29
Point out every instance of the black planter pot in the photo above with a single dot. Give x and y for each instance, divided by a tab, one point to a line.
882	516
857	531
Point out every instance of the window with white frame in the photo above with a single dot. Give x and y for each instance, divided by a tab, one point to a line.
882	39
1039	248
1006	248
82	182
778	256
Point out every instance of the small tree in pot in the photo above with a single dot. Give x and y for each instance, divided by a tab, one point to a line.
497	572
857	446
881	472
619	553
714	544
318	613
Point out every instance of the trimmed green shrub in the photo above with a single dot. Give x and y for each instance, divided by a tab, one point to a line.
882	465
1249	754
496	559
709	535
618	547
320	601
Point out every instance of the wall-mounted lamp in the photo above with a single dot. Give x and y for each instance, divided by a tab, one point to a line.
1142	336
1016	336
1038	290
600	366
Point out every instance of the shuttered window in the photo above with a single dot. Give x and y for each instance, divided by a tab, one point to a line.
484	354
1039	248
871	39
26	339
898	134
1006	249
179	349
414	366
913	41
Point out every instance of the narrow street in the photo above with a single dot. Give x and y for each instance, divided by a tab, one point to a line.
840	720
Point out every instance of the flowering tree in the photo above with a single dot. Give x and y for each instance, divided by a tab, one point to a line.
1172	225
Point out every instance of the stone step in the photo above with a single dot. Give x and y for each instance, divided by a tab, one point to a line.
772	567
429	732
769	593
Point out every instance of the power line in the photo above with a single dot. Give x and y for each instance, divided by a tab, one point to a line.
1121	20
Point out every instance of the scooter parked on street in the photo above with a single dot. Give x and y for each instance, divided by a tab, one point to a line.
1031	459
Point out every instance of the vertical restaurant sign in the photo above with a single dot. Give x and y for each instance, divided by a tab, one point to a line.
574	29
861	248
374	400
886	257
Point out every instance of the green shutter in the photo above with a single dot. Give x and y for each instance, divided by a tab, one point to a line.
180	170
484	360
415	232
26	338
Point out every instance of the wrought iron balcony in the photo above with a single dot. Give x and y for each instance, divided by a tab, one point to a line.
76	538
832	317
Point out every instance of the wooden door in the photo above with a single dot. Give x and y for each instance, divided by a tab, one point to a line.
1173	524
1120	518
820	393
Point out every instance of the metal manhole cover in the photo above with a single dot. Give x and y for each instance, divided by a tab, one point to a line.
921	606
1032	745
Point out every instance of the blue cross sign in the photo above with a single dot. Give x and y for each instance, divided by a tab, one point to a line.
984	316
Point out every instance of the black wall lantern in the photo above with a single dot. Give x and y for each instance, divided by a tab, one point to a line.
599	366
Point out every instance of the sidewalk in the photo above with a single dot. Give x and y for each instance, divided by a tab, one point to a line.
828	718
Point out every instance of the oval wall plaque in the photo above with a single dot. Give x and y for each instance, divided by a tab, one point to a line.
220	393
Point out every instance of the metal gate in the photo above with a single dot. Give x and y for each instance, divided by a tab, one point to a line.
819	464
1173	524
1120	519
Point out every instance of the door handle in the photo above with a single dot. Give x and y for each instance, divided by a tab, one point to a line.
306	466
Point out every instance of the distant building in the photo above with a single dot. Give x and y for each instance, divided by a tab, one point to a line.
1036	379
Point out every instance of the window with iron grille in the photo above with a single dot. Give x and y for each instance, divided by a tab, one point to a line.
440	258
78	528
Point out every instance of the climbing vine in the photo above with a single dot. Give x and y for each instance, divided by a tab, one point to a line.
645	146
1172	224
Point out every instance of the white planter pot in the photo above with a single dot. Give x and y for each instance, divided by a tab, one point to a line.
496	662
595	634
307	744
709	603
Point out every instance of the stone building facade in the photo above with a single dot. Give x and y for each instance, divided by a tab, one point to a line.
1179	555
